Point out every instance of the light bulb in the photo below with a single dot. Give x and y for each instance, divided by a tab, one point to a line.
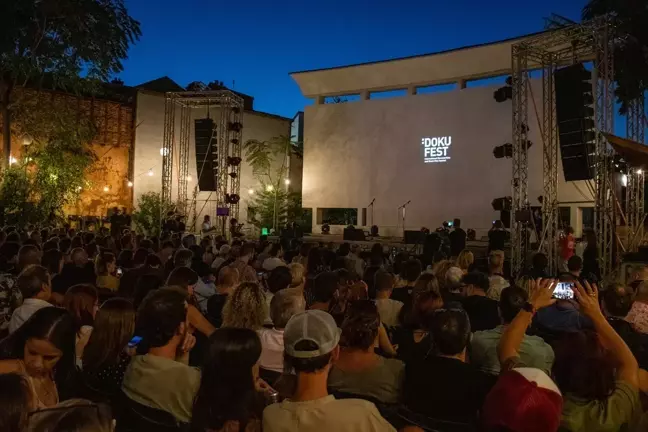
130	184
106	188
639	171
269	188
251	191
12	160
150	173
287	181
189	178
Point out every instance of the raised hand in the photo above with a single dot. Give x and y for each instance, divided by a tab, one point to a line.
541	292
588	300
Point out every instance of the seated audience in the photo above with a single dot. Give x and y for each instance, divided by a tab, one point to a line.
600	387
150	266
283	306
388	309
413	338
53	260
76	415
245	307
242	264
228	279
28	255
562	316
161	378
35	286
409	274
230	396
465	260
298	273
638	315
16	402
483	311
82	303
359	370
223	254
145	284
279	278
185	279
616	302
105	268
79	271
106	356
575	266
42	350
496	280
274	258
311	346
442	385
533	350
321	291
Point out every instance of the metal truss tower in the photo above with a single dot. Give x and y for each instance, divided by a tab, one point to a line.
635	214
226	103
546	52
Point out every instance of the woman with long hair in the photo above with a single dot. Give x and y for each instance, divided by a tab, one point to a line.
465	260
229	398
82	301
185	279
245	307
105	269
106	356
42	350
16	400
359	370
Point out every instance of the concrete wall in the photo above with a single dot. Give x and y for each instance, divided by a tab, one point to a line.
148	141
356	151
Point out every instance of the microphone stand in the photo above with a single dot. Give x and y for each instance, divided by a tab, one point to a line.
372	211
404	207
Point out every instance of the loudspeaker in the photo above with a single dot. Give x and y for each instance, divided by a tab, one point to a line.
353	234
206	154
575	117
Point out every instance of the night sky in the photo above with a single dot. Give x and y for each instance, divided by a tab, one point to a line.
255	44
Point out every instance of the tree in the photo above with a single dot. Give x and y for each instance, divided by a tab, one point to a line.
273	205
52	42
630	30
147	215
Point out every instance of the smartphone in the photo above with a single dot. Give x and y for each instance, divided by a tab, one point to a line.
450	223
135	341
564	291
120	272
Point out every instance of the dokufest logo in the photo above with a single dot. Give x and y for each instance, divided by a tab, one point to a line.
436	150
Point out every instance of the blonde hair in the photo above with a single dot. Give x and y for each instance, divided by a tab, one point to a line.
297	271
465	259
441	268
495	259
246	307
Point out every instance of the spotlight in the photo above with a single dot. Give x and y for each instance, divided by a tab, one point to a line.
235	126
269	188
374	231
287	182
251	191
233	160
503	151
639	171
232	199
150	173
233	175
106	188
189	178
130	184
503	94
624	180
326	229
164	152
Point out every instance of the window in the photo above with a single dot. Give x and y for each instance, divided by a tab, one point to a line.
337	216
564	217
438	88
588	217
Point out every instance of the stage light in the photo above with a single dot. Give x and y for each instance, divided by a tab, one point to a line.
503	94
624	180
287	182
106	188
502	204
639	171
374	231
233	160
232	199
503	151
509	81
251	191
164	152
189	178
150	173
130	184
269	188
235	126
233	175
12	160
326	229
234	141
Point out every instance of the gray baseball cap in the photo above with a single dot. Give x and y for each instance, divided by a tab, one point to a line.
315	326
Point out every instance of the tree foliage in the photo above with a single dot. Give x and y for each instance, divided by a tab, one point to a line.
273	205
147	215
631	50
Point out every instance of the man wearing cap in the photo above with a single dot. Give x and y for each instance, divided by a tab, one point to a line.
311	346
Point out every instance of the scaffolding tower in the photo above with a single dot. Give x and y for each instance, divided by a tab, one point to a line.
229	130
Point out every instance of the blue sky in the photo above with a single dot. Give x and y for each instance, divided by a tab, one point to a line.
254	44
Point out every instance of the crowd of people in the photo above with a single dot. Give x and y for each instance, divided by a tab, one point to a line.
118	331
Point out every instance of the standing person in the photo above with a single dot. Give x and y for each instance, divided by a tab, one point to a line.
311	346
161	378
457	238
35	286
42	350
230	396
106	357
567	245
497	236
591	269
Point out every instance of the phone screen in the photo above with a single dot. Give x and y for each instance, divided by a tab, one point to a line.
564	291
135	341
120	272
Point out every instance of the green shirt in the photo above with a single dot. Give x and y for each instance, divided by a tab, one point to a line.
163	384
618	413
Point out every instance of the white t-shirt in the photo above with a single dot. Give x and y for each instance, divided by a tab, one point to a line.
272	349
324	414
388	310
271	263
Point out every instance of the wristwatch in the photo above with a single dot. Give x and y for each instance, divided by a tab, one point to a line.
529	308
